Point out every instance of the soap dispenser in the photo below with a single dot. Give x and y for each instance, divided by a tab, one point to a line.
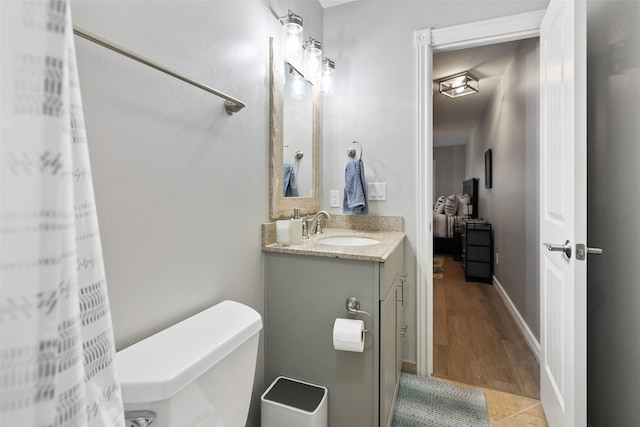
296	227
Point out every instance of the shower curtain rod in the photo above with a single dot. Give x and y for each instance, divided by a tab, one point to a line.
231	105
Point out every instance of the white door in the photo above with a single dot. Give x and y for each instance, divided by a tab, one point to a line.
563	278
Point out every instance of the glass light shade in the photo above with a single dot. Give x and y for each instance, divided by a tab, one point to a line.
312	60
328	77
459	85
292	37
298	86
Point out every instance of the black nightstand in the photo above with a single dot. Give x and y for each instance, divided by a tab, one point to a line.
477	252
458	231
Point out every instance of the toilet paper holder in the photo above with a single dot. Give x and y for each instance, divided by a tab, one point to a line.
353	307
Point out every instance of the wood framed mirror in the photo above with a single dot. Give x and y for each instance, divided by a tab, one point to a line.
294	139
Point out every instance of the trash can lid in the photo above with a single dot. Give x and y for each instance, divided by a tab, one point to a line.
304	396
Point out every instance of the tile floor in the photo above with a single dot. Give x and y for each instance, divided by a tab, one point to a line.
509	410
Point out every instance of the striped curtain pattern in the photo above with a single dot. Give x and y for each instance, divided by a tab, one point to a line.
56	344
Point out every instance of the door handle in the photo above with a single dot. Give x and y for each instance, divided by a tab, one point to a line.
566	248
582	251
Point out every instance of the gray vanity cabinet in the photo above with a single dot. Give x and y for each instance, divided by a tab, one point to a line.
303	297
391	338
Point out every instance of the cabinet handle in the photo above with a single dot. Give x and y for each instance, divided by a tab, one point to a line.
403	280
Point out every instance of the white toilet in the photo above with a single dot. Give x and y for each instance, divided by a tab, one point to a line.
198	372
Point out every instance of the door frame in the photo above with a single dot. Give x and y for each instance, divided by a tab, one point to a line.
427	41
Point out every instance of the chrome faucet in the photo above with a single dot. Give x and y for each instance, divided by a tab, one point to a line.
316	228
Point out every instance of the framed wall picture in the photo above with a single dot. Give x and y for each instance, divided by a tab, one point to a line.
487	169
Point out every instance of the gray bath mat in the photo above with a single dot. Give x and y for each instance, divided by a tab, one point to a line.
424	402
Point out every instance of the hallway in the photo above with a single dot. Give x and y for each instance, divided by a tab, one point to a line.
476	341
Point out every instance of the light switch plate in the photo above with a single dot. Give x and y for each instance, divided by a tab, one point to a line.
371	191
334	198
377	191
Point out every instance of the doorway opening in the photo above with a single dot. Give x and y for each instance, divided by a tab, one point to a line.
476	340
427	41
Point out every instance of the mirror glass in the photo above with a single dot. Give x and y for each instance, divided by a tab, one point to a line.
294	140
297	111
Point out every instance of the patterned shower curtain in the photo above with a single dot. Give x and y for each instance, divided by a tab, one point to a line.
56	340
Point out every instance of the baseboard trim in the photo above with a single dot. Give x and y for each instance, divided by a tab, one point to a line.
534	345
409	367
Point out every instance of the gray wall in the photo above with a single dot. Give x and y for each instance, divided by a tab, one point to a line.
450	170
375	100
613	73
509	128
181	187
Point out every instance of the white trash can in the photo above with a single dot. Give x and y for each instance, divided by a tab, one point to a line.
294	403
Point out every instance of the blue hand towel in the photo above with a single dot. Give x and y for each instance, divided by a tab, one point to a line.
355	194
290	187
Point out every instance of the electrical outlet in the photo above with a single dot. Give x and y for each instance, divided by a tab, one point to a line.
334	198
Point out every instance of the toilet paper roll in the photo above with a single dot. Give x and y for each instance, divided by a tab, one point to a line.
348	335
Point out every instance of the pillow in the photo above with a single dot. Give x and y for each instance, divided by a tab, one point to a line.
463	201
451	205
439	204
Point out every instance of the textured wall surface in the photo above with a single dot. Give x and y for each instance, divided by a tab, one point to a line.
375	100
450	170
613	108
181	187
510	129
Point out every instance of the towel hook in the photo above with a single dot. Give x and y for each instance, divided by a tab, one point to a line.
353	307
351	152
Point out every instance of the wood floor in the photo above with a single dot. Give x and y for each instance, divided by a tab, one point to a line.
476	340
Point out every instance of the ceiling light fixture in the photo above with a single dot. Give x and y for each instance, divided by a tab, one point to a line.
459	85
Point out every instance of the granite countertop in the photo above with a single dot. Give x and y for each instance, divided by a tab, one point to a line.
379	252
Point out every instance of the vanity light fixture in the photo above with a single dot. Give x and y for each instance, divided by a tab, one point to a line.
298	84
328	75
292	36
312	59
459	85
306	55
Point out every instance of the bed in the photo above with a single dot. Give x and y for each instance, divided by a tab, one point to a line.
443	224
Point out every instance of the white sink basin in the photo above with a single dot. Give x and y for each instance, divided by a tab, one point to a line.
348	241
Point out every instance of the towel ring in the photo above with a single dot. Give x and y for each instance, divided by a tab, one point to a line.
351	152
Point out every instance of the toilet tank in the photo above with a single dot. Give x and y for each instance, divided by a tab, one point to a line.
198	372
